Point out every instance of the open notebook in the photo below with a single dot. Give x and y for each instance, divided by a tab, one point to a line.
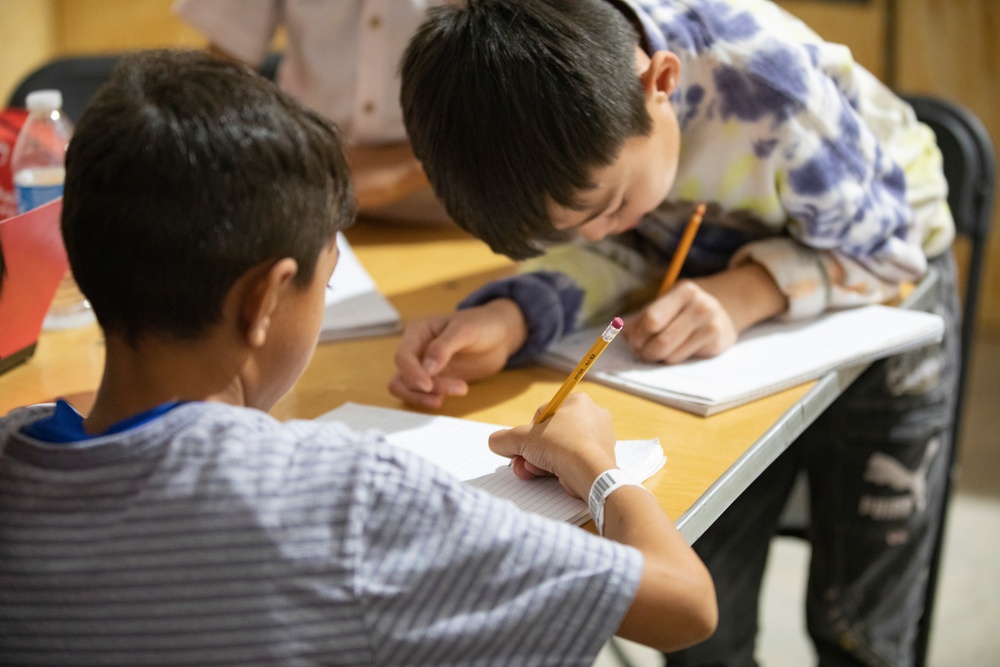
766	359
460	447
354	305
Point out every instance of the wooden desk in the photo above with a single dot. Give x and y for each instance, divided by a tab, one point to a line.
425	270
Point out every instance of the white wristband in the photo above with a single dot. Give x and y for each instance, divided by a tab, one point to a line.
604	486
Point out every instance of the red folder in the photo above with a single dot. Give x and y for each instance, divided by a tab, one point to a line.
35	261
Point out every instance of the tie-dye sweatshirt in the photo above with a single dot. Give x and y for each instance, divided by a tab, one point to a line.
812	168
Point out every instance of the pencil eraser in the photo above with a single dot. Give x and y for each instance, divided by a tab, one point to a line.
617	323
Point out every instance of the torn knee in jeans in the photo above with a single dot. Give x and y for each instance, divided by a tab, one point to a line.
908	488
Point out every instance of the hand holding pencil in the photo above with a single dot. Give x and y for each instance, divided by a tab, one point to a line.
686	319
569	384
575	445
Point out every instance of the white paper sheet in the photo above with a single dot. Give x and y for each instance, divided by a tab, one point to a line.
460	447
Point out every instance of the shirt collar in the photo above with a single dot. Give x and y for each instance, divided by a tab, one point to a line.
65	424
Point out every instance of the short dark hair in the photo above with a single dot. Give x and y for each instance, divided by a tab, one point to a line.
508	102
184	172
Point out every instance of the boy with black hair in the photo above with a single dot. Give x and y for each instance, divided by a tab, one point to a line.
179	524
586	131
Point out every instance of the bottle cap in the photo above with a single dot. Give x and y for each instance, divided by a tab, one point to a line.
43	99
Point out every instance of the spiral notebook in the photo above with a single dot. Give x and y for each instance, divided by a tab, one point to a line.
766	359
355	307
460	447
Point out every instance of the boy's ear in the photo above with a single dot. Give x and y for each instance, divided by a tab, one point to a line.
663	73
260	297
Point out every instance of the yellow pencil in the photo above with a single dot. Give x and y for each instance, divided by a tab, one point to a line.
581	369
683	247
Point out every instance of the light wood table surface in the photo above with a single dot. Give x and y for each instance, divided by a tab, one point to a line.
428	269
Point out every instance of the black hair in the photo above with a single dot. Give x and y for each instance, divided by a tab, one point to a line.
184	172
510	102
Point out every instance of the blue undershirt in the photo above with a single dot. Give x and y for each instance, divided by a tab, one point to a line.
65	425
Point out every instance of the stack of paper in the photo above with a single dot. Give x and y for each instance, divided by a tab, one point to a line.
460	447
354	305
766	359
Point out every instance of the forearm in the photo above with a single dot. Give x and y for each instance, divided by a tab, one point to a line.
675	605
814	281
507	311
747	293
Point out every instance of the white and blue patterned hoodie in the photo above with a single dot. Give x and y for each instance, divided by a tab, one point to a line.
812	168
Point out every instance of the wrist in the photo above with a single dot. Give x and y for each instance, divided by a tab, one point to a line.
732	286
585	471
515	325
604	485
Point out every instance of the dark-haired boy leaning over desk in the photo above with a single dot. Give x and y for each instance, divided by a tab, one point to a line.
178	524
585	132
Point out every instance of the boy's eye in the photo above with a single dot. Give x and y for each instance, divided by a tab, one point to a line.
618	211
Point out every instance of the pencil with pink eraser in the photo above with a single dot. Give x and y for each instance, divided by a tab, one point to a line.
581	368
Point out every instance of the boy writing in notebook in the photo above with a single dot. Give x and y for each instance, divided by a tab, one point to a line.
177	523
581	135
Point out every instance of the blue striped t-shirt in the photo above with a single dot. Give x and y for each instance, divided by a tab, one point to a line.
218	535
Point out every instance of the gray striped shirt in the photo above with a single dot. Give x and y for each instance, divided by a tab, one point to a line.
218	535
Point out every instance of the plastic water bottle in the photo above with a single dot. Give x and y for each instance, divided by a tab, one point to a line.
38	163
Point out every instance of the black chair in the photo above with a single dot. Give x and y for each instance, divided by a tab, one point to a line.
970	169
79	77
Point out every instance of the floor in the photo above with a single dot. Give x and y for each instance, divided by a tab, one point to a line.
965	627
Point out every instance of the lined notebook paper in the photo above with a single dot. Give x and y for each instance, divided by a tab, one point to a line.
460	447
354	305
766	359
